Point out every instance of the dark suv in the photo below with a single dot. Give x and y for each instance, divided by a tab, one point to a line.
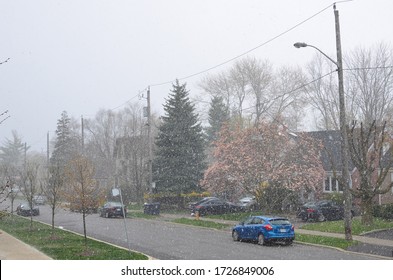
322	210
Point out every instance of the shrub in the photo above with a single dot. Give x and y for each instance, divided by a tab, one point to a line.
383	211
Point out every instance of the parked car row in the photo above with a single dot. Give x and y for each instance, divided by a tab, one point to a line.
214	205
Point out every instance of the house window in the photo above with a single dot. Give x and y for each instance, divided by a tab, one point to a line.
339	187
332	185
327	184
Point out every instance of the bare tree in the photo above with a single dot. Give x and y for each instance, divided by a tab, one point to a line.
101	134
132	154
54	188
322	93
259	75
254	91
30	184
289	98
218	86
81	187
370	79
8	187
371	152
368	86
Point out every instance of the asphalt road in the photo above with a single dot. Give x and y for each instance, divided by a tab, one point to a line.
170	241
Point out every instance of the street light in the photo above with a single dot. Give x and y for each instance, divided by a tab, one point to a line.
303	45
343	130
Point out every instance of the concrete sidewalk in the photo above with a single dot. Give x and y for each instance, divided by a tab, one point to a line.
12	248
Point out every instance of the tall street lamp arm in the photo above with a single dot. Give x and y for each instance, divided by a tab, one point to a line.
303	45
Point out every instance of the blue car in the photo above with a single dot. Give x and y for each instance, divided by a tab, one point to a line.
264	230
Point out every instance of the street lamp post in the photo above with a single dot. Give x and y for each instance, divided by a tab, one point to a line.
343	131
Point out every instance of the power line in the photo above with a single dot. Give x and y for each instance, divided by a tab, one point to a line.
368	68
235	57
4	61
249	51
299	87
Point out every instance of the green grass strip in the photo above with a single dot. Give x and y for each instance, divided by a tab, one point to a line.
200	223
64	245
357	227
327	241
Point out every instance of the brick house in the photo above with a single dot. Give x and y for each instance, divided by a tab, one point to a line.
331	160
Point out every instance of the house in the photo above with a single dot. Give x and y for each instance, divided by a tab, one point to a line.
331	161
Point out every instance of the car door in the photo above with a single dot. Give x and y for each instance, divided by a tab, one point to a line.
255	228
247	228
212	207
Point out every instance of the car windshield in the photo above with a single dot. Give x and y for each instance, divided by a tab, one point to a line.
280	222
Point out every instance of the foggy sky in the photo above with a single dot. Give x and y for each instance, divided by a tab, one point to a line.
81	56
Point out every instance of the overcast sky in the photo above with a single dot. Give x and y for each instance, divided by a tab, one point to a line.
85	55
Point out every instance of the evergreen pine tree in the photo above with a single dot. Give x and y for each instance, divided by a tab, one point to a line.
65	144
218	115
11	153
179	160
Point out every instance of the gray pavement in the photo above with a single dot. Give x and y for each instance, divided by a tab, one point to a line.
12	248
376	243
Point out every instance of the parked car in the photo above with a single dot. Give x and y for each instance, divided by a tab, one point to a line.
24	209
323	210
113	209
248	203
192	205
39	199
215	206
264	230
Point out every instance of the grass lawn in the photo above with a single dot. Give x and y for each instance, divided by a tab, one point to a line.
63	245
357	227
200	223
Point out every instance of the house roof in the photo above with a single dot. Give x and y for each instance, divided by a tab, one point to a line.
331	153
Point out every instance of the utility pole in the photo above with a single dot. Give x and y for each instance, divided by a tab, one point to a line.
83	136
150	181
47	150
344	135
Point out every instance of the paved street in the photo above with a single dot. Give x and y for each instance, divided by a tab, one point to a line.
165	240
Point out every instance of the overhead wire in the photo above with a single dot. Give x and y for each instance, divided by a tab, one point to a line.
246	52
237	56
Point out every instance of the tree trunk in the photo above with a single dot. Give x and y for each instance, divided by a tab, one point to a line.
53	221
367	212
84	227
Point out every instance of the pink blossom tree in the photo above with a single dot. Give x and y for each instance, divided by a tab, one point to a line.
248	158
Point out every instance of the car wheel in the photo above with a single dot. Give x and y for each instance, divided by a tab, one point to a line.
235	236
261	239
321	218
